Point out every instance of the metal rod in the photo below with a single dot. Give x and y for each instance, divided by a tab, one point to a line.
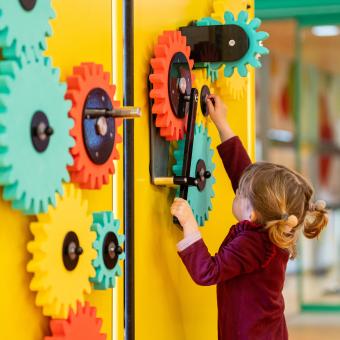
128	144
126	112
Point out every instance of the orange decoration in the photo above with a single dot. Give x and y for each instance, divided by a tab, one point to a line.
83	325
170	43
85	78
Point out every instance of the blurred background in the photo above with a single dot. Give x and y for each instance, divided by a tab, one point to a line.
298	125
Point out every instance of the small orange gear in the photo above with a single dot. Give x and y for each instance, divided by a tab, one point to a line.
83	325
86	78
171	42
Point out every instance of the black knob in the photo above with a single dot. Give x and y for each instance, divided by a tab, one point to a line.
119	250
49	131
79	250
207	174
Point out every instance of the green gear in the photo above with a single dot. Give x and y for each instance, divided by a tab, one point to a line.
104	223
24	31
200	201
32	178
255	48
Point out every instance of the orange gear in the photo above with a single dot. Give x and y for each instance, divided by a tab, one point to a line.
79	326
170	43
85	78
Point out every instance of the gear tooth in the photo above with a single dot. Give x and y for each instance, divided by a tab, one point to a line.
243	17
262	50
157	78
36	283
228	71
261	36
255	23
161	51
157	93
96	245
158	64
73	83
242	70
229	17
5	173
254	62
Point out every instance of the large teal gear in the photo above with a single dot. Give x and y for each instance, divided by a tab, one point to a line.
24	31
103	224
200	201
31	178
255	45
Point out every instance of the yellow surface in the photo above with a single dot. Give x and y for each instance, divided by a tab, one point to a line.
168	304
81	32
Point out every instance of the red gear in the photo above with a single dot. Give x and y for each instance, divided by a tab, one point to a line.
85	78
170	43
83	325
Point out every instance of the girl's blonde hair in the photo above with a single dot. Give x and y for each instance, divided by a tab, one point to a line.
282	201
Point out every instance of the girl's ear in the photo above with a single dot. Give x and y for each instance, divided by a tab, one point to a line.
252	216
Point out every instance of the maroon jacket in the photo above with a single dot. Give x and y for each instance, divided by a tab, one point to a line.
248	269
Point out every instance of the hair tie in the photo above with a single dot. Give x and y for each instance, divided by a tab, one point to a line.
319	205
284	217
291	220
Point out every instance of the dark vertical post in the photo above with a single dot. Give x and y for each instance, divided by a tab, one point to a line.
128	145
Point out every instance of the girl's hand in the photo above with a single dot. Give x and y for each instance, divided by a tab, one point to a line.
218	114
181	209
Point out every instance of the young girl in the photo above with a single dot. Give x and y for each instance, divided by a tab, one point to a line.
272	204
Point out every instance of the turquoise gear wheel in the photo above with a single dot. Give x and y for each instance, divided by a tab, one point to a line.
104	224
23	31
200	201
30	177
255	47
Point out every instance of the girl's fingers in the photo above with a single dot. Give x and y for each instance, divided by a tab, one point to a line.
210	105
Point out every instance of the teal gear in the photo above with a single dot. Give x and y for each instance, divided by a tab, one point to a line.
30	178
23	31
200	201
255	47
104	223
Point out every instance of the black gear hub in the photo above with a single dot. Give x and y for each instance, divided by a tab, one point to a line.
179	84
202	174
41	131
98	132
27	5
205	91
111	250
71	251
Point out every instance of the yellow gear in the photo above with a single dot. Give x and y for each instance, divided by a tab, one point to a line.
59	288
200	80
235	87
233	6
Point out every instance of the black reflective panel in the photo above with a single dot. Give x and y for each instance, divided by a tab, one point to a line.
99	147
179	68
220	43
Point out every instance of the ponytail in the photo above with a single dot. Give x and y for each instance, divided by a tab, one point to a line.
282	234
316	219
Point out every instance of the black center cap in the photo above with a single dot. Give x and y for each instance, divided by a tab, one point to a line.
41	131
111	250
27	5
71	251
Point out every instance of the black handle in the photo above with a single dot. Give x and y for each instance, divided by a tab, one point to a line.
189	141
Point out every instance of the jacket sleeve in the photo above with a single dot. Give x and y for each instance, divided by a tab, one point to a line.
235	159
242	255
